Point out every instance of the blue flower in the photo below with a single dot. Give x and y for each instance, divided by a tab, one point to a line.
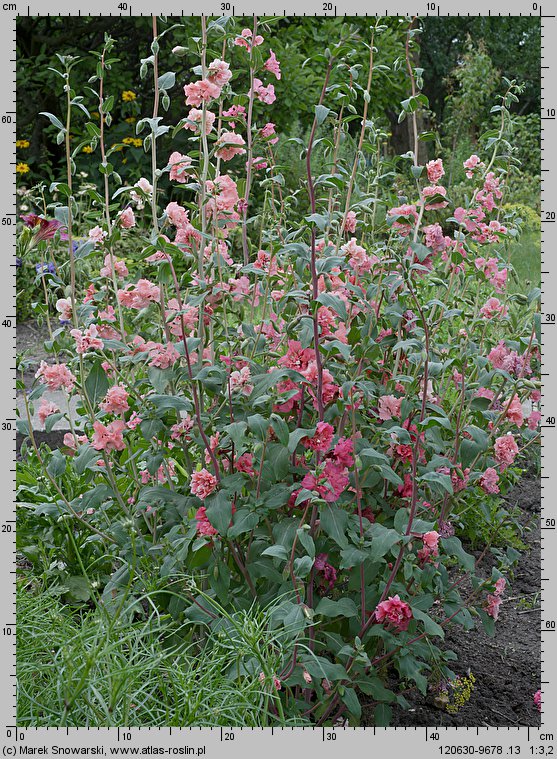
48	268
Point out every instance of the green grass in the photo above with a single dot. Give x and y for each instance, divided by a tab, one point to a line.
79	668
526	261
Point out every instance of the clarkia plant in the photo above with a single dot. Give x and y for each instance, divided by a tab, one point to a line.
290	400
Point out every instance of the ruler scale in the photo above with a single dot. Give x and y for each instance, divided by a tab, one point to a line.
239	742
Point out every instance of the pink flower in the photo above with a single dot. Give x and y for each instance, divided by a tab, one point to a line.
493	307
109	437
134	421
247	39
204	527
182	428
97	235
140	296
533	420
514	411
144	185
240	381
111	263
203	483
196	117
433	191
307	677
405	218
322	439
64	308
126	218
268	131
492	606
56	376
431	540
199	92
244	463
506	450
435	170
394	611
162	356
264	94
358	258
46	409
500	586
272	65
434	237
538	700
230	144
87	340
472	163
389	406
177	214
219	72
116	400
179	165
489	480
350	222
327	571
342	453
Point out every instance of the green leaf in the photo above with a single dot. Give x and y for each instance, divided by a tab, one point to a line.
244	521
383	540
344	607
179	403
280	429
237	433
259	426
430	626
350	700
54	120
219	511
167	81
382	715
352	557
440	482
77	589
453	547
334	522
57	465
302	566
306	541
86	457
96	383
487	622
333	302
373	686
298	434
277	552
321	113
421	251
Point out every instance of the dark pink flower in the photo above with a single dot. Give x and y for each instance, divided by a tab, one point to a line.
395	612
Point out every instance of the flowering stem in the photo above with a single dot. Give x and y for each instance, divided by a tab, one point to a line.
362	134
195	394
154	176
314	278
249	146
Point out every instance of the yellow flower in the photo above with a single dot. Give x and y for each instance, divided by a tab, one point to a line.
87	149
131	120
22	143
135	141
128	96
22	168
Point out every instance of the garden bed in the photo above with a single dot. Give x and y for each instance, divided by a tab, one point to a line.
506	667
